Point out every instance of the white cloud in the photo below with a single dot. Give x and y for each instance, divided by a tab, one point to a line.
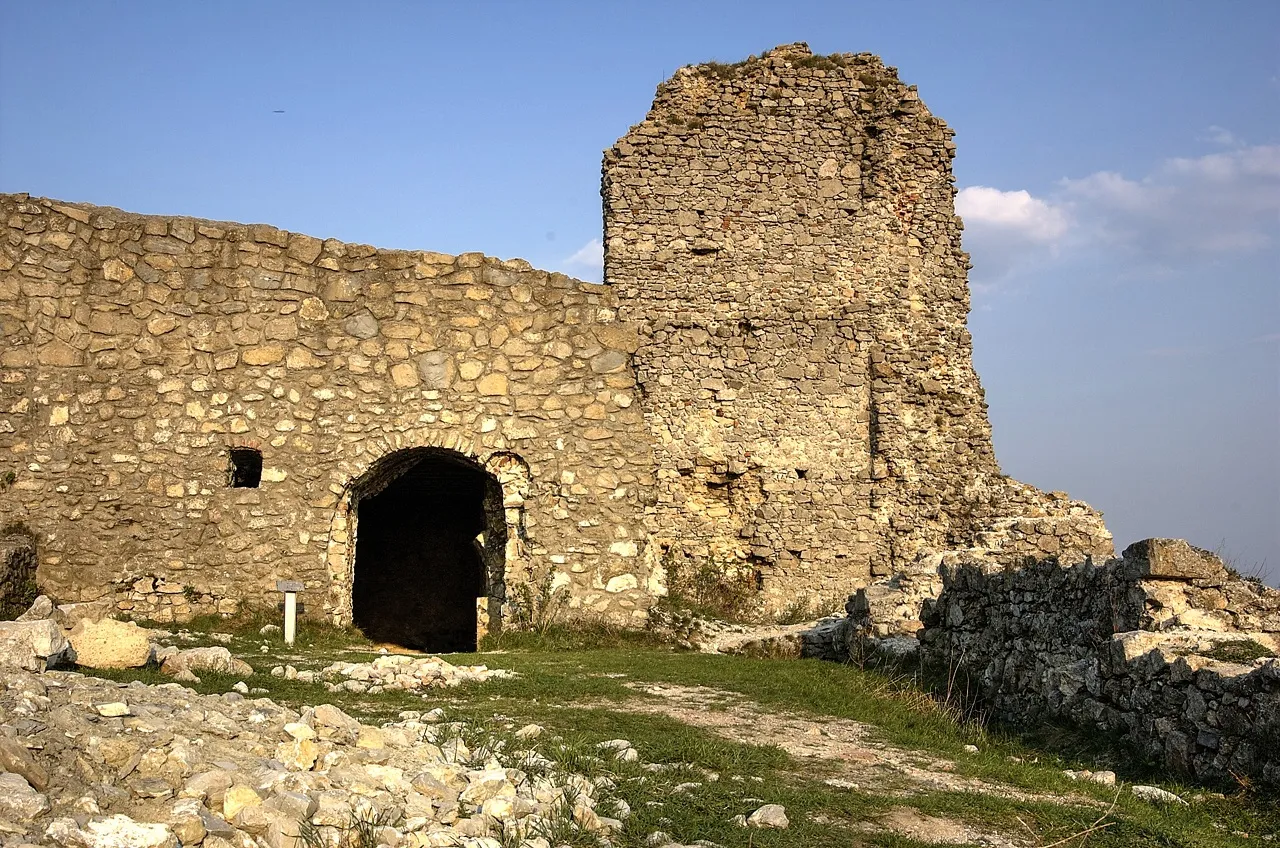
1014	211
1007	229
1222	136
587	262
1201	207
1187	207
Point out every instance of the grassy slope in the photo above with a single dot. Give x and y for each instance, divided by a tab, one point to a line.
555	684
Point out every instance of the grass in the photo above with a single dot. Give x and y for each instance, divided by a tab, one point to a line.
579	692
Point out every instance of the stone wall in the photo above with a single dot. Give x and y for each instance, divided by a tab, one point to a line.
783	233
139	350
1163	647
776	380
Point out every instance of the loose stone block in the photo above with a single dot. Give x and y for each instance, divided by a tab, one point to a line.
1175	559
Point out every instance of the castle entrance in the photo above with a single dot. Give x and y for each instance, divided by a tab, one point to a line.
430	536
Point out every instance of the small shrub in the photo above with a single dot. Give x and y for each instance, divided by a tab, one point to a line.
805	609
720	70
710	589
535	607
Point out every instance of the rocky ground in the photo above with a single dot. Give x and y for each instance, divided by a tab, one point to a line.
93	763
332	743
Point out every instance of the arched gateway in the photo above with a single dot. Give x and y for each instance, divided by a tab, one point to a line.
431	543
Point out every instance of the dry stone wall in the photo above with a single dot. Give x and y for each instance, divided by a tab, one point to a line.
1163	647
783	232
139	350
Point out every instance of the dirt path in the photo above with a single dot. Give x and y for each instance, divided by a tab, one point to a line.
842	753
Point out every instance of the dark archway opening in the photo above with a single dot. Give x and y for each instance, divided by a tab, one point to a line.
419	566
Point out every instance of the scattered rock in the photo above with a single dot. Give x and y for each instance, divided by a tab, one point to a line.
15	758
115	709
403	673
1106	778
33	645
216	659
19	802
107	643
1156	795
118	831
770	815
42	607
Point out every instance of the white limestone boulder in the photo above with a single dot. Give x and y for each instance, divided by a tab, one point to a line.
33	645
107	643
215	659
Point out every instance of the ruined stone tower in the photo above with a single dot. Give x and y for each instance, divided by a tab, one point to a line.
783	233
775	382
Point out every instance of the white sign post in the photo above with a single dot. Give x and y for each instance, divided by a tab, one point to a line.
291	588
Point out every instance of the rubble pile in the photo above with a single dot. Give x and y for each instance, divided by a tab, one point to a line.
91	763
393	672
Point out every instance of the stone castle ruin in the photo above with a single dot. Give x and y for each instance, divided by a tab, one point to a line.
775	379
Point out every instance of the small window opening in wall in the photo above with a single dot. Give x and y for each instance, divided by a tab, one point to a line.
802	473
246	468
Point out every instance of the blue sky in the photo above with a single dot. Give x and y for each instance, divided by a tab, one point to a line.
1119	166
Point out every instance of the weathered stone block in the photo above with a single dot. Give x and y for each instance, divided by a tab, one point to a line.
108	643
1174	559
33	645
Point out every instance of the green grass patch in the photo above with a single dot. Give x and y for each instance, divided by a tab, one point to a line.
1240	651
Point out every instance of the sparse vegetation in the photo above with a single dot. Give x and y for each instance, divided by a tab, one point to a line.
1240	651
808	608
362	831
711	588
535	606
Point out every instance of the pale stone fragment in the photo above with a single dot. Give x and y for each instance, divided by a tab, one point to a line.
18	800
769	816
238	797
33	645
492	384
313	309
404	375
362	325
108	643
264	355
116	271
621	583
